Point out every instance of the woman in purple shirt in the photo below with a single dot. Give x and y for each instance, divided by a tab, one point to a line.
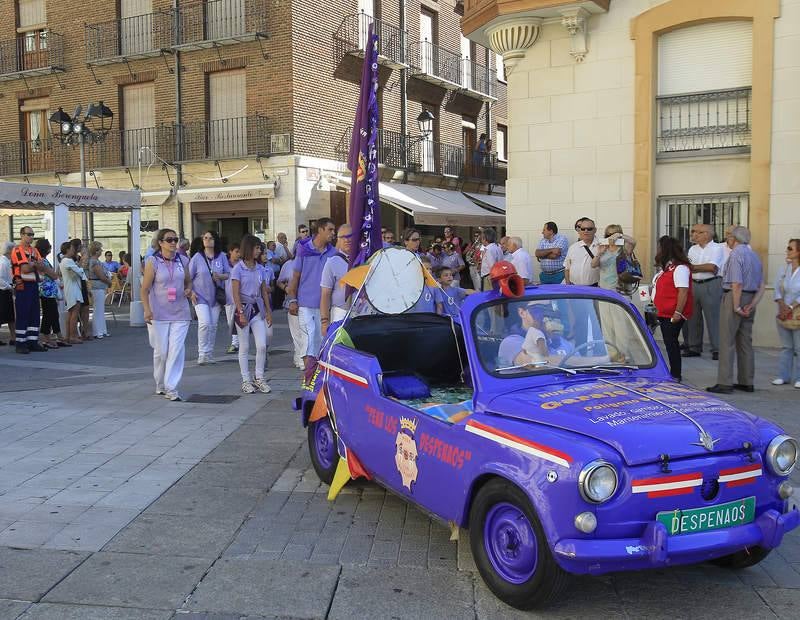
209	270
250	289
166	290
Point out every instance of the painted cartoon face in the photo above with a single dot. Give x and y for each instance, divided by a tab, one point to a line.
406	459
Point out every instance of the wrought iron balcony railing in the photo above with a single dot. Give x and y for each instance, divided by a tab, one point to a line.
478	79
436	64
696	123
130	37
27	157
413	154
229	138
205	24
121	147
351	38
33	53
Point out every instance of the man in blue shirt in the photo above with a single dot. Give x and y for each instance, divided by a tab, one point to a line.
110	265
551	252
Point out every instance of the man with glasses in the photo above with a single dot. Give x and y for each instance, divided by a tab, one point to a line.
26	263
334	303
578	263
706	258
302	235
304	291
388	238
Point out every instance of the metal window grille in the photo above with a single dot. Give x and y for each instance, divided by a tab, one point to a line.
677	214
699	122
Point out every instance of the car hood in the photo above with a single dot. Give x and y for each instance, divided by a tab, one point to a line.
641	418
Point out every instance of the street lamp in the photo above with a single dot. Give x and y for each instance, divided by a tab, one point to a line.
425	122
79	130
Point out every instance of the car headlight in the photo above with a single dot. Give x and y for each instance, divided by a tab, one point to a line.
597	482
782	455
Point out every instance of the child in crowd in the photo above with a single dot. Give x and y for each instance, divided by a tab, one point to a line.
450	296
230	307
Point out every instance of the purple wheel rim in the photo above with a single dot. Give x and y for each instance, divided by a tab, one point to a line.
510	543
324	443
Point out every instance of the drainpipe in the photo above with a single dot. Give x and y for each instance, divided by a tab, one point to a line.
178	115
403	93
490	80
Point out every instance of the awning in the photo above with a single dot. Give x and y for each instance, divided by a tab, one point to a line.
25	196
230	192
493	201
438	207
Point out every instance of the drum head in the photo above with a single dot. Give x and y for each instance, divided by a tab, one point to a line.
396	281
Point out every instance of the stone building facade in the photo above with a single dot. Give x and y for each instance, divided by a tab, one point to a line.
652	114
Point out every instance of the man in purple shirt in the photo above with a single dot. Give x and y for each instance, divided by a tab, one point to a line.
304	291
742	288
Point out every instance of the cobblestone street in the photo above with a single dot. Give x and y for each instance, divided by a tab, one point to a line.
117	504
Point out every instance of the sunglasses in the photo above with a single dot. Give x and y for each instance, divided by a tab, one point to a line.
582	229
414	239
345	236
30	234
170	240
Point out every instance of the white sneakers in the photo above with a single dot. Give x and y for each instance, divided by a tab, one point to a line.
259	385
202	360
780	381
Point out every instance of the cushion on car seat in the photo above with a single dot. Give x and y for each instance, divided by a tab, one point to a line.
405	386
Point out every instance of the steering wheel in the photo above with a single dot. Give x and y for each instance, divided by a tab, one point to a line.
585	346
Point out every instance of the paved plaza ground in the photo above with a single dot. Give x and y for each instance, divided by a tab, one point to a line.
115	503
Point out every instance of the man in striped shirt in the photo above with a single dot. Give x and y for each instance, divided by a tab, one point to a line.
742	288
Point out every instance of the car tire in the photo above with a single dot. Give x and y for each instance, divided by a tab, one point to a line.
510	548
323	449
743	558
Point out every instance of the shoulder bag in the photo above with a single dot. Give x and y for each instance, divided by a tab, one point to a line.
219	293
793	322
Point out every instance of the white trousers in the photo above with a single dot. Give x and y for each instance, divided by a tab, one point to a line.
230	310
207	321
167	339
99	307
298	339
259	328
311	326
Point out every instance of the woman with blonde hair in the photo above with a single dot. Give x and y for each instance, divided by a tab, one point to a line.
787	296
608	252
99	281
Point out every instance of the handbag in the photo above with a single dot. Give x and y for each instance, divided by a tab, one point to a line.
629	270
220	297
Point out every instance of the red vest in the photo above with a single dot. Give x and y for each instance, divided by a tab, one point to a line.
666	299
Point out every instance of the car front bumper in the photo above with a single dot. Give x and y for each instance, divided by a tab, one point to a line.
657	549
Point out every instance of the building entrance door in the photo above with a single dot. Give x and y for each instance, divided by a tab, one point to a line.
229	229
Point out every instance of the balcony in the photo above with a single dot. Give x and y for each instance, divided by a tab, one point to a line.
230	138
28	157
477	80
121	147
701	124
34	53
130	38
220	22
413	155
351	39
435	64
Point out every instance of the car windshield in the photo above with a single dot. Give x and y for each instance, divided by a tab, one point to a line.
566	334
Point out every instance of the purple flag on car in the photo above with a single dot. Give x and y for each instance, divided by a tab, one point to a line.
364	212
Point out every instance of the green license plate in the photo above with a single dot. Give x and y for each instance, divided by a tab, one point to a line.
716	517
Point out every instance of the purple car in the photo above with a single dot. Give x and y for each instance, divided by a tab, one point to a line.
549	427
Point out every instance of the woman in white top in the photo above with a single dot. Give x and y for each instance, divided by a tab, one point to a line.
787	296
71	277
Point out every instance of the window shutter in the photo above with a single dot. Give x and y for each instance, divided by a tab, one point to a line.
227	95
138	101
713	56
32	13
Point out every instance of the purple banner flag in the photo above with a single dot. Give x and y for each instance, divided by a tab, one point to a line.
365	211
